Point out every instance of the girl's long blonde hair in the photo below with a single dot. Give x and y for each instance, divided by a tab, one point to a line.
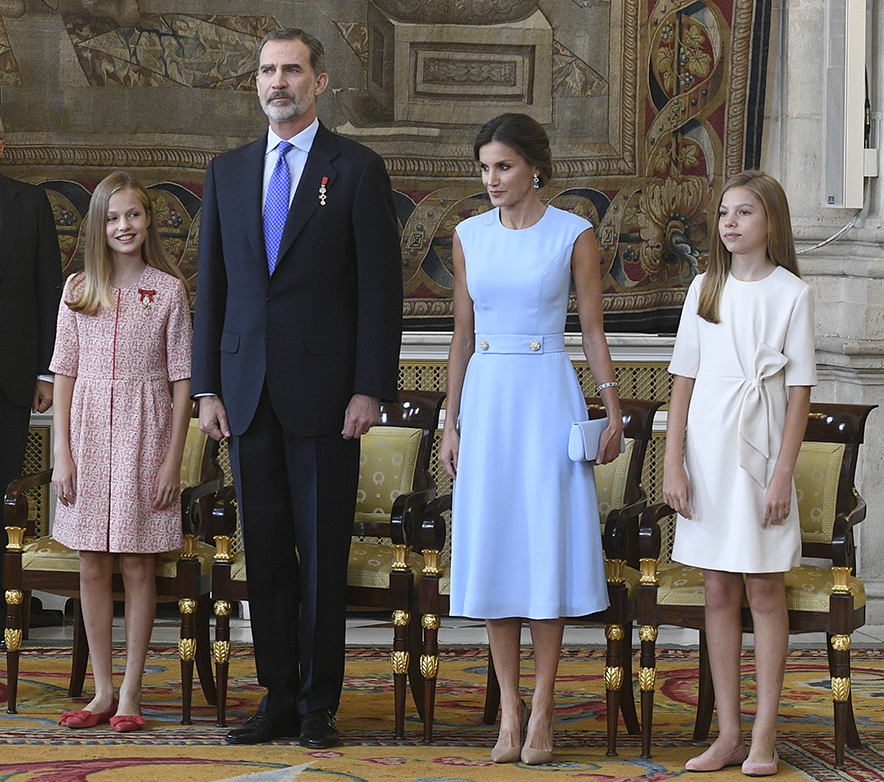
780	243
95	292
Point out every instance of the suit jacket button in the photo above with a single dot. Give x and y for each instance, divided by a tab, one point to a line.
269	300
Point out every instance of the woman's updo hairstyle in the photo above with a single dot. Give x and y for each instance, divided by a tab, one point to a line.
523	134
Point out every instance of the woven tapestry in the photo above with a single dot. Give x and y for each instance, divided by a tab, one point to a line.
650	106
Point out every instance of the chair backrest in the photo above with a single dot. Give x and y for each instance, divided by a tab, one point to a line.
197	457
825	475
619	483
395	458
388	461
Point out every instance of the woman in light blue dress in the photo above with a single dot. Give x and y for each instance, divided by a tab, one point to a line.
525	526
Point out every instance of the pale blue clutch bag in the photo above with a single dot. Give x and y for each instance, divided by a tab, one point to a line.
583	442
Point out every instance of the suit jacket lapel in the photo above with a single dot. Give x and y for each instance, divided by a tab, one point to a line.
253	183
10	216
306	200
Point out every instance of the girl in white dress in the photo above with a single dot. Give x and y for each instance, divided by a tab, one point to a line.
525	528
743	365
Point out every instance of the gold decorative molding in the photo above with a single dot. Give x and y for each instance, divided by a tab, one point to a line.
840	580
400	556
431	622
222	608
13	639
647	633
187	605
429	666
613	677
222	548
647	679
108	156
400	662
188	551
841	643
16	538
432	562
649	571
614	569
401	618
14	597
187	648
614	632
221	651
840	688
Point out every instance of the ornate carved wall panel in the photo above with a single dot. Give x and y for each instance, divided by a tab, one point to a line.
648	105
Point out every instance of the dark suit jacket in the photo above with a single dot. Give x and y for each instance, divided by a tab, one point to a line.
327	324
30	287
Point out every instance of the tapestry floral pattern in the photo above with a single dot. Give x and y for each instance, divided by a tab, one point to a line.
645	102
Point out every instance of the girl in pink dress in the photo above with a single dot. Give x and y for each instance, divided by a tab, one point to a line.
123	345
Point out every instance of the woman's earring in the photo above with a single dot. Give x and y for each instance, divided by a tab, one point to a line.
536	181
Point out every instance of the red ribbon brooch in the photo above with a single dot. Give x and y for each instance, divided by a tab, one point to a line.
146	299
322	191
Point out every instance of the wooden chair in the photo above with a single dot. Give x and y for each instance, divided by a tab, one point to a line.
820	599
44	564
621	499
395	485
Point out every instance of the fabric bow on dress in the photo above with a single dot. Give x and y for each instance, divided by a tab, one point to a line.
754	423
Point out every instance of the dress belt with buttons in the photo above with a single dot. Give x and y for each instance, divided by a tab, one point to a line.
520	343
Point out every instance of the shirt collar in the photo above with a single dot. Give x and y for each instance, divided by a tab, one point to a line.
302	140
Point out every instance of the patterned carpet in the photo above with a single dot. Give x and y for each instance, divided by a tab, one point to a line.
34	749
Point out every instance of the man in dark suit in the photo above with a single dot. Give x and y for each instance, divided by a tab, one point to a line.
293	350
30	289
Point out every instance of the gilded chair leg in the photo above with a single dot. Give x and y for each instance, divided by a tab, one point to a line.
613	682
80	656
647	678
187	652
401	664
12	635
705	694
430	669
221	653
839	668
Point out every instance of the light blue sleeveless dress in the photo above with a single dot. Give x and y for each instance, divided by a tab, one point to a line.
525	527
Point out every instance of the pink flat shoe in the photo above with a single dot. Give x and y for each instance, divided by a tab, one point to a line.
733	758
83	718
126	723
754	769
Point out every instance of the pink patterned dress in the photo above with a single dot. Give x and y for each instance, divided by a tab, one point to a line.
121	414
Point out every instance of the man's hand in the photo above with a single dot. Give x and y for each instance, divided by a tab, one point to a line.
213	417
42	396
363	412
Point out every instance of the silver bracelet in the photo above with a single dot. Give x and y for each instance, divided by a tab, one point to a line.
603	386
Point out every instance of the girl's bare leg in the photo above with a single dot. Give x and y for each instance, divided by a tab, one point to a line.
504	635
724	636
141	598
767	600
97	605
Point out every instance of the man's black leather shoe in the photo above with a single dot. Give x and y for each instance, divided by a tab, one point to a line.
318	730
261	728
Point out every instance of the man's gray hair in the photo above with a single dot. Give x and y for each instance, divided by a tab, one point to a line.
317	50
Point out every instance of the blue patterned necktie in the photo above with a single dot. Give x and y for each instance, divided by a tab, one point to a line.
276	206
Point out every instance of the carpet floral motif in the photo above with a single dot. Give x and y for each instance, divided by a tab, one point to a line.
33	748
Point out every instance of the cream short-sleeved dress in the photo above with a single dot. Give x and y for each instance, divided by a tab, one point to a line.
743	367
121	414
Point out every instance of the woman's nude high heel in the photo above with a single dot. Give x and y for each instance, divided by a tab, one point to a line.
512	754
